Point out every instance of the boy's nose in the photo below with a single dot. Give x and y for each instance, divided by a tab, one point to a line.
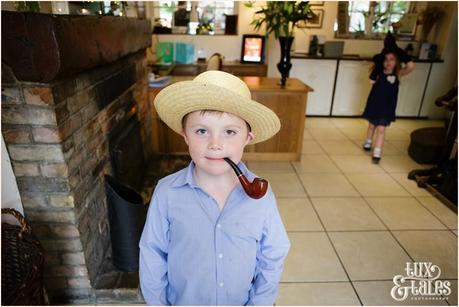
215	144
214	147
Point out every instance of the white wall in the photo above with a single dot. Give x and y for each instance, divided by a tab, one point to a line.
10	192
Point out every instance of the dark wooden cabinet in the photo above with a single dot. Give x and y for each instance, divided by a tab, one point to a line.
289	103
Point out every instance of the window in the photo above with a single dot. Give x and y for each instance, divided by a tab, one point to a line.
210	14
375	16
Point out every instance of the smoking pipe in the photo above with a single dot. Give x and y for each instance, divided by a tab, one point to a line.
256	189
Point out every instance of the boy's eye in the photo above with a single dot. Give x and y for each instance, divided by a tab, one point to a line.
230	132
201	131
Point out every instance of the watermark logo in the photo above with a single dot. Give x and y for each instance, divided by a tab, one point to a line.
422	282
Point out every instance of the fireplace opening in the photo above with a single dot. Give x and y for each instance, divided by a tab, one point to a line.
126	153
126	207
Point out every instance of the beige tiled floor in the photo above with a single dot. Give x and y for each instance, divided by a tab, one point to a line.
354	225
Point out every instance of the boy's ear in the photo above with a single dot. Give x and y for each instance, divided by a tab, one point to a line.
250	137
182	133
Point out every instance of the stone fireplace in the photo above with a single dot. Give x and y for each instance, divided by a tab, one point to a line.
68	84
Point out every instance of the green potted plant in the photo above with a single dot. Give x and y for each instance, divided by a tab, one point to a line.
281	17
27	6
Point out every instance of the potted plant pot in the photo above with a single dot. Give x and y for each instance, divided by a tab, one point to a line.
285	64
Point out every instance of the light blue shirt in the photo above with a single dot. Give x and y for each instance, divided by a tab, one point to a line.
193	253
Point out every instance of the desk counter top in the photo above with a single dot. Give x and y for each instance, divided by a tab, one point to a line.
193	69
224	62
354	57
258	84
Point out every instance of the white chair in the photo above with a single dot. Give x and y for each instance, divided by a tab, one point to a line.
215	62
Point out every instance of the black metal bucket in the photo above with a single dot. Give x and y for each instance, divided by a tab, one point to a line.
126	215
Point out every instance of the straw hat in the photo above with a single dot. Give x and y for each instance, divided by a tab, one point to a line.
215	90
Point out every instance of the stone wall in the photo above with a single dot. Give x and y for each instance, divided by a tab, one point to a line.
57	138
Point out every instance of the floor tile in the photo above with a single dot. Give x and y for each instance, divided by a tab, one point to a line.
404	213
349	122
284	184
443	213
329	133
402	146
271	166
327	185
311	147
356	164
307	135
336	186
376	184
312	258
438	247
391	150
398	164
340	147
298	214
315	164
306	294
369	255
357	132
346	213
317	122
377	293
396	134
410	185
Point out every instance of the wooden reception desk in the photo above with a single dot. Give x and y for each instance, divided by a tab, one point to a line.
289	103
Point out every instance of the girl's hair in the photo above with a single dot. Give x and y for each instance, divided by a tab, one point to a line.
378	63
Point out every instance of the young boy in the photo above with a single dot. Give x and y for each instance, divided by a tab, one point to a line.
206	242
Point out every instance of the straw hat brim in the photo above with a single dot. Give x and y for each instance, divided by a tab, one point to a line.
180	98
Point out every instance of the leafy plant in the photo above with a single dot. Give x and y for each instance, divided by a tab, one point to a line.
27	6
205	27
281	17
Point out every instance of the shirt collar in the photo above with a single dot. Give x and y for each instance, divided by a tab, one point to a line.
186	177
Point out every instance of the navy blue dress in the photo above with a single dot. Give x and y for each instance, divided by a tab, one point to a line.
382	100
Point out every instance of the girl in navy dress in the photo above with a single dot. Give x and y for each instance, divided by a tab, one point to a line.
382	100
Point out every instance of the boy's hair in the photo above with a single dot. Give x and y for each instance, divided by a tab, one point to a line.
202	112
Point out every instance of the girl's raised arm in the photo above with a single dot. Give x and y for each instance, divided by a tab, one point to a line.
409	67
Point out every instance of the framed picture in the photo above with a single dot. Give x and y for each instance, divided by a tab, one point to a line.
408	24
313	23
253	48
316	3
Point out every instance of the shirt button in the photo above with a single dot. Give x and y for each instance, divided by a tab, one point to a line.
221	284
220	256
219	225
